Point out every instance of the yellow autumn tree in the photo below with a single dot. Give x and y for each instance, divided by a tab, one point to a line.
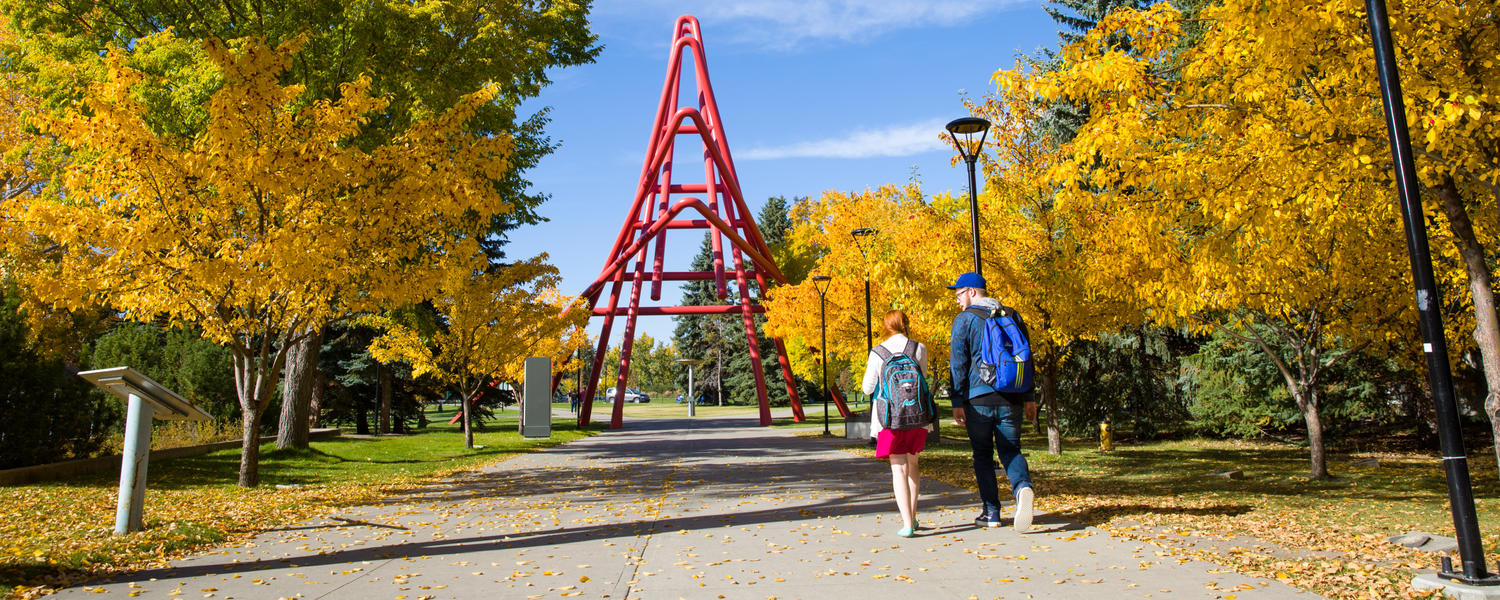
1307	69
902	260
20	146
260	223
490	319
26	157
1036	252
1226	203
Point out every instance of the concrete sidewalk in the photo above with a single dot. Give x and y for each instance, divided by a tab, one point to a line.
707	508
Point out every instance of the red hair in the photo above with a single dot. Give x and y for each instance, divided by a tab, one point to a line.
895	322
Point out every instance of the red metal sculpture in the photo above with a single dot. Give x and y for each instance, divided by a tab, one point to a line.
643	238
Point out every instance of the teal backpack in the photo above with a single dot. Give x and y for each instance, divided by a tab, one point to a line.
902	398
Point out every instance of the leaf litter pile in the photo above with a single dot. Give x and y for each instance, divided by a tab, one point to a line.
1326	537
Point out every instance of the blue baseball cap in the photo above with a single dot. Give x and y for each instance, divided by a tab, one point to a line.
968	280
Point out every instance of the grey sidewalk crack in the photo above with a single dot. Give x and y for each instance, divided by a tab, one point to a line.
638	556
363	574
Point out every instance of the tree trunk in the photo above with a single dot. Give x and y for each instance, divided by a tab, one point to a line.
385	399
1486	326
361	415
1423	413
296	392
1314	434
1049	398
463	401
1303	384
257	371
315	399
1144	388
249	445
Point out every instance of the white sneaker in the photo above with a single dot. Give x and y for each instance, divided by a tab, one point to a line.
1024	499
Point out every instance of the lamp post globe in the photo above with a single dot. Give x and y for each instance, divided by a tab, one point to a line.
968	134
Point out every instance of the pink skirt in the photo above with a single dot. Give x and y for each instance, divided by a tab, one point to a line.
900	441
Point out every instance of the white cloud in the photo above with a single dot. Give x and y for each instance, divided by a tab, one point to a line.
901	140
786	23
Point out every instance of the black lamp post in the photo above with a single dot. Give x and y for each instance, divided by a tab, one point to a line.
968	147
863	232
1450	436
820	283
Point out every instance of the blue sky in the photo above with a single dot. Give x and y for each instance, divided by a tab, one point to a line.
815	95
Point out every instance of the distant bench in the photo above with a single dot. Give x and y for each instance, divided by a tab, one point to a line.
69	469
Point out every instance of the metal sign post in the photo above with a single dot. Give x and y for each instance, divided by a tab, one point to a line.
692	398
145	399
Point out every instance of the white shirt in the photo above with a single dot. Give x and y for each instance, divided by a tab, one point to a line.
895	343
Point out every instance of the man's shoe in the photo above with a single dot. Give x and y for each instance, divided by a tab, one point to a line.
989	518
1024	500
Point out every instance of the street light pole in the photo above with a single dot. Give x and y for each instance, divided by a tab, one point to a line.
1450	435
820	283
858	234
969	150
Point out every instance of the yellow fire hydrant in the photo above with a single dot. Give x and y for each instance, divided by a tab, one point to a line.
1106	438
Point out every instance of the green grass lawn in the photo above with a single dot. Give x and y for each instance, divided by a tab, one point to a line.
659	409
59	533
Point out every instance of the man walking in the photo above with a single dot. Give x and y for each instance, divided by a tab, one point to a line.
992	418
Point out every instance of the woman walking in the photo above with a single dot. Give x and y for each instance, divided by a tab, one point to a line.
897	370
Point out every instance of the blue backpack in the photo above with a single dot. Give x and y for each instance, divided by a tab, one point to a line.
902	398
1004	352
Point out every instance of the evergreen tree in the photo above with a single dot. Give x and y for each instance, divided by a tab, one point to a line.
720	339
180	359
1132	378
351	387
1078	17
1075	18
50	413
775	221
701	337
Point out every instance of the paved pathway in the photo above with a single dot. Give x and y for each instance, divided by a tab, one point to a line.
707	508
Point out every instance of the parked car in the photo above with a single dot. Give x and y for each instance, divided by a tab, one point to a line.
632	395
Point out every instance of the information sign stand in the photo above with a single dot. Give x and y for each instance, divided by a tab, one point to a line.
145	399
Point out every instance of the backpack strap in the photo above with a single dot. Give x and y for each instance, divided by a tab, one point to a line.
880	351
979	312
911	349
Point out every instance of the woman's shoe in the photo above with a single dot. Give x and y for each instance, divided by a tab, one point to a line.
906	532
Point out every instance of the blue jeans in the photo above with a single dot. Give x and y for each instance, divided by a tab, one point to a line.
992	429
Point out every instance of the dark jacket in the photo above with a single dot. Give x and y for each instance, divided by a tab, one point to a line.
963	358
